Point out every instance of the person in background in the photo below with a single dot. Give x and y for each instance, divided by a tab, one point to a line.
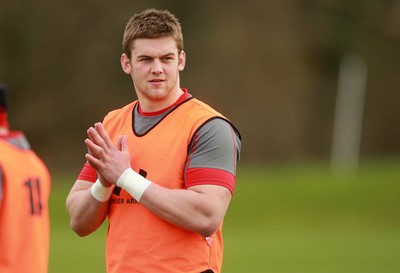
24	193
162	168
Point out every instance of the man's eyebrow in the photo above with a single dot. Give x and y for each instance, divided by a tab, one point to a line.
168	54
144	56
151	56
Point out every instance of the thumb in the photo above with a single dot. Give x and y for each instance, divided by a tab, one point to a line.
123	143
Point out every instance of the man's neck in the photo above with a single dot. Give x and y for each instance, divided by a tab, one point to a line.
150	106
17	139
185	95
4	131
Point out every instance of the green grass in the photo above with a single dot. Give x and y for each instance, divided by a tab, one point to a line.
68	252
282	219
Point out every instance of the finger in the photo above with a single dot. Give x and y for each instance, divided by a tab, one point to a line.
93	149
95	137
104	135
94	162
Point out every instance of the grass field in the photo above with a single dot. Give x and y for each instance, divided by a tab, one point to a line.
282	219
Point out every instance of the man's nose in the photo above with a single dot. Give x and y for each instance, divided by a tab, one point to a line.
157	67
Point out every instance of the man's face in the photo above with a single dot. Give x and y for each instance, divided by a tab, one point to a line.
154	67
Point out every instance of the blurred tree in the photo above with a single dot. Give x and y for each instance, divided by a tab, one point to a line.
369	29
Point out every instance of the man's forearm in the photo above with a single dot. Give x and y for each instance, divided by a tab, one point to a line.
86	213
201	212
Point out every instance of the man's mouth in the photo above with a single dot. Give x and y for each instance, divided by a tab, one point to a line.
156	80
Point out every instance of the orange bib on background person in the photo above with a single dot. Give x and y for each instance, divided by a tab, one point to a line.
24	214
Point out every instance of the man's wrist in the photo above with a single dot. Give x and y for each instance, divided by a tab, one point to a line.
133	183
100	192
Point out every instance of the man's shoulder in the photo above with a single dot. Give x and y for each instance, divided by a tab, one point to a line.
215	118
201	106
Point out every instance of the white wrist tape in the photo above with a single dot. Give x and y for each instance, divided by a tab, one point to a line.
101	193
133	183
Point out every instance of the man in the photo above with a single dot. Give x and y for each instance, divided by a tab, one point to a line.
24	194
162	169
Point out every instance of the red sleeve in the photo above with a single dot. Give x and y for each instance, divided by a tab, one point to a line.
210	176
88	173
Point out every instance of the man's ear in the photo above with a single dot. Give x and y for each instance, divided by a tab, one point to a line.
126	64
182	60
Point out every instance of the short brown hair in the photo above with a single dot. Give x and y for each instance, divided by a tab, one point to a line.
152	23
